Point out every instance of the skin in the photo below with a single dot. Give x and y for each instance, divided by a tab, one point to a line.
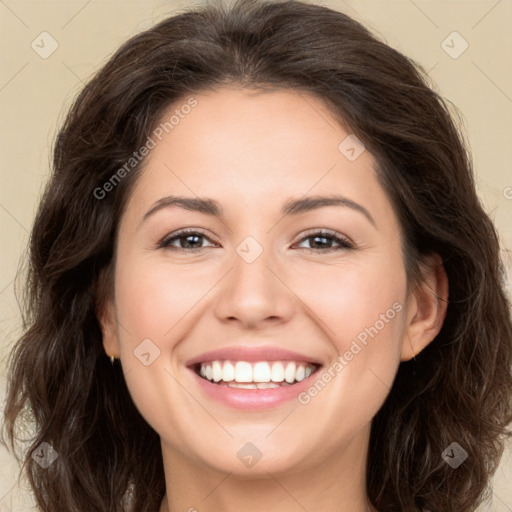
252	152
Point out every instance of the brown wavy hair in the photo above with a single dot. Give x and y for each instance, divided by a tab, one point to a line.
61	382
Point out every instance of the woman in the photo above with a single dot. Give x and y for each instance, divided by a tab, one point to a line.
268	222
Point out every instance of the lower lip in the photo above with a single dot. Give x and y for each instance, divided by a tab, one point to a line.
253	398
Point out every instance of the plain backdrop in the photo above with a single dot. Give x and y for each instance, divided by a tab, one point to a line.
465	46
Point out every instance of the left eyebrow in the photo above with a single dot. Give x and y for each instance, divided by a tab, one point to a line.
305	204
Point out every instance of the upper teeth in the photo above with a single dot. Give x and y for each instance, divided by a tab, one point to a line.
262	371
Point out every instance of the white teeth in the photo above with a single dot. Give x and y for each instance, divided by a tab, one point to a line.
228	372
242	386
259	385
258	375
277	372
300	374
289	373
243	372
267	385
216	371
262	372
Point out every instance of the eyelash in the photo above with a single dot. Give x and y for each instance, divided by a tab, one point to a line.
324	233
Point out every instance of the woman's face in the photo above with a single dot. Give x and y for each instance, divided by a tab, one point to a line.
258	281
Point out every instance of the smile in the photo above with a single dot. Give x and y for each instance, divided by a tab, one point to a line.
252	378
254	375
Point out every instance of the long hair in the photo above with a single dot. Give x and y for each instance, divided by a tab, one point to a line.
458	389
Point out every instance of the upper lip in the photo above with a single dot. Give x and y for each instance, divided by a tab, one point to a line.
251	354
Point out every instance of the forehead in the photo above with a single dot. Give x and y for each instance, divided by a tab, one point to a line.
256	149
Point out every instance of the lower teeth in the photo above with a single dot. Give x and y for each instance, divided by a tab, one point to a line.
256	385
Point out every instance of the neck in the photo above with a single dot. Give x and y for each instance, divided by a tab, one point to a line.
338	484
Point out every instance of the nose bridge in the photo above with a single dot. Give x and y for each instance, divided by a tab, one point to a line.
252	292
251	277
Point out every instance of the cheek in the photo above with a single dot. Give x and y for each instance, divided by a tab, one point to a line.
153	296
362	313
153	299
349	296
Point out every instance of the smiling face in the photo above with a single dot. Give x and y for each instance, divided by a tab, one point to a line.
259	279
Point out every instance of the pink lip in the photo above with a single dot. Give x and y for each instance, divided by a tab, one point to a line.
252	399
240	353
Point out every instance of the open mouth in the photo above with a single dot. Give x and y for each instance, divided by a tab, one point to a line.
254	375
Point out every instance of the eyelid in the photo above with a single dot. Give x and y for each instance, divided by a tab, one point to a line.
183	232
341	239
324	231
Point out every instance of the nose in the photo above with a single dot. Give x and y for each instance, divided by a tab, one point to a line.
255	294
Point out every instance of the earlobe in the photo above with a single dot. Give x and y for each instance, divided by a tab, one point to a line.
105	312
427	306
106	318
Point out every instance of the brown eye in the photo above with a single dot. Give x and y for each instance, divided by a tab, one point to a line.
188	240
322	241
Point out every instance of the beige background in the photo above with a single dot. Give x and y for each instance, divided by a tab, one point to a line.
35	93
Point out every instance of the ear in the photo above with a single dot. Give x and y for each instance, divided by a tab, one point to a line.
106	314
426	308
107	320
